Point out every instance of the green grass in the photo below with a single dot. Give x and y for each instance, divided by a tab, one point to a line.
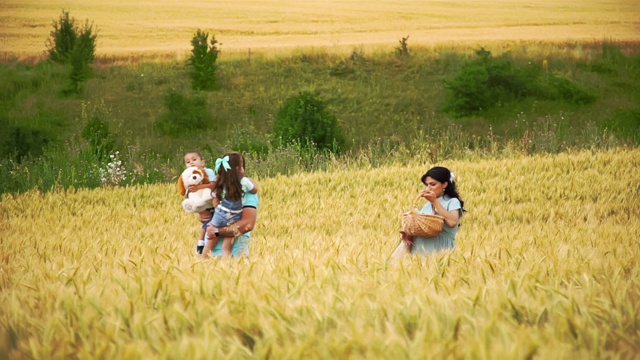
389	108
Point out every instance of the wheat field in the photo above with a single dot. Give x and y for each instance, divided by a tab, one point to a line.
545	266
167	26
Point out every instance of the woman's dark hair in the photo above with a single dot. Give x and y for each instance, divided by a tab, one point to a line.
443	175
229	180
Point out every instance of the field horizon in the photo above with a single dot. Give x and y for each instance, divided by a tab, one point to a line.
164	29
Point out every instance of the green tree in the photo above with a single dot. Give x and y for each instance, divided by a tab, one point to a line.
202	62
68	40
73	45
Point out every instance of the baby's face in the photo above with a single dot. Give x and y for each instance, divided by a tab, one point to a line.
193	159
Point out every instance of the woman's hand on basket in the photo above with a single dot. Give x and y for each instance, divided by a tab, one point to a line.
406	238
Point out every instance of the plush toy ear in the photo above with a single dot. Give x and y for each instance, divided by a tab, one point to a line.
181	187
205	177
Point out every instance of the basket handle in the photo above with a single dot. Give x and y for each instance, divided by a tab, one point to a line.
415	203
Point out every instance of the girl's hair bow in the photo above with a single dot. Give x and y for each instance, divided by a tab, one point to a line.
224	162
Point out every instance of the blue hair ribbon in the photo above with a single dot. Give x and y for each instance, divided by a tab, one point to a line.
224	162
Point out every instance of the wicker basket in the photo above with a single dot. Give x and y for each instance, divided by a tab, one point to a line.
416	224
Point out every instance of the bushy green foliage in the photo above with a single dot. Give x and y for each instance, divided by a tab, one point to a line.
202	62
626	124
612	61
248	141
19	80
184	114
81	56
96	132
558	88
304	118
29	135
20	141
62	38
468	91
73	45
384	104
487	82
68	41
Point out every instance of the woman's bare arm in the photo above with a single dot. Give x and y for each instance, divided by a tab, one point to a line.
245	224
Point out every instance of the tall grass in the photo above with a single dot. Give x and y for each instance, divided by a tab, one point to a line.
390	109
544	266
75	165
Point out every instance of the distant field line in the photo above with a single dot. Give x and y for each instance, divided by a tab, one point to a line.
166	27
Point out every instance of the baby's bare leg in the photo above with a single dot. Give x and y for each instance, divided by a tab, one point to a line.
201	236
204	217
206	252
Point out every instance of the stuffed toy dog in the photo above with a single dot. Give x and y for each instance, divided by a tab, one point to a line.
196	201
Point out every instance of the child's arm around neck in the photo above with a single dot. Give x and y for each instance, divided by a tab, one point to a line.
249	185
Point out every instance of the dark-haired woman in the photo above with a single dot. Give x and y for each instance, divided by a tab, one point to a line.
442	196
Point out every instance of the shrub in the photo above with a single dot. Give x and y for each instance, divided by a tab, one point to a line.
402	50
305	119
612	54
29	135
487	82
19	141
183	114
247	140
62	38
68	40
71	44
19	80
467	92
625	124
202	62
96	132
557	88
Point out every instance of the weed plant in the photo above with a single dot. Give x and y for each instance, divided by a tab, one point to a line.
402	50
